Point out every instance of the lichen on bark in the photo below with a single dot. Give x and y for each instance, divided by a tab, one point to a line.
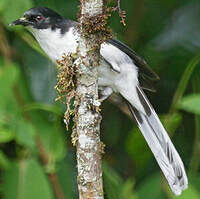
87	117
78	85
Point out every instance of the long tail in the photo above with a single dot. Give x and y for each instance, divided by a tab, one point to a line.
160	144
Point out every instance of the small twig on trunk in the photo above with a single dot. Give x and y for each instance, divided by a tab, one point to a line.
121	12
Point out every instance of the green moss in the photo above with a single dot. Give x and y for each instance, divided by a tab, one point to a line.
66	83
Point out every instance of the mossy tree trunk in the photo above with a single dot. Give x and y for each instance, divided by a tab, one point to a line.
87	117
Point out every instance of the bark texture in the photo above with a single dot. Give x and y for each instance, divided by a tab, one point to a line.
87	118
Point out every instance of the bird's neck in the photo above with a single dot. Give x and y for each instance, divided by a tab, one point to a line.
56	44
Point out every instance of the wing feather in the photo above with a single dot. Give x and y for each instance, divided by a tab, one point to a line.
161	146
146	74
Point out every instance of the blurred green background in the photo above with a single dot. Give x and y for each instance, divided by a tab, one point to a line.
37	159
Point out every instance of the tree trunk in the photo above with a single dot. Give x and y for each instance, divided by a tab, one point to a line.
88	118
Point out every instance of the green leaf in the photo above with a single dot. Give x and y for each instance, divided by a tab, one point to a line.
171	121
114	186
138	149
8	77
194	179
54	143
12	11
2	5
151	187
6	135
127	190
26	180
195	161
52	139
184	81
67	175
10	182
45	107
191	192
190	103
25	134
112	183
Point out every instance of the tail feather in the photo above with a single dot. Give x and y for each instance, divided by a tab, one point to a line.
160	145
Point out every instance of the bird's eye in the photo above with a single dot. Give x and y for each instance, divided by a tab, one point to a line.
39	18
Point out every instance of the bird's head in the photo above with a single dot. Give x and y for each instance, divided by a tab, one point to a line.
54	33
39	18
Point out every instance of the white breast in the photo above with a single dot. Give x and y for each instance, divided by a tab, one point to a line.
54	43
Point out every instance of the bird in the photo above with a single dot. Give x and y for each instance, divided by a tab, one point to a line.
121	71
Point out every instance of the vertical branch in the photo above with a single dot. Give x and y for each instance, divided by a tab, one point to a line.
87	117
4	46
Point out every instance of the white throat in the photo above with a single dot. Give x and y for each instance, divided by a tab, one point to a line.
54	43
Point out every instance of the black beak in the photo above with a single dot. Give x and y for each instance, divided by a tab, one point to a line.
21	21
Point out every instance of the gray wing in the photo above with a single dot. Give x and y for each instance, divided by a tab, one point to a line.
146	74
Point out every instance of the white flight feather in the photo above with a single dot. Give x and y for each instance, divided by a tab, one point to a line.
162	147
